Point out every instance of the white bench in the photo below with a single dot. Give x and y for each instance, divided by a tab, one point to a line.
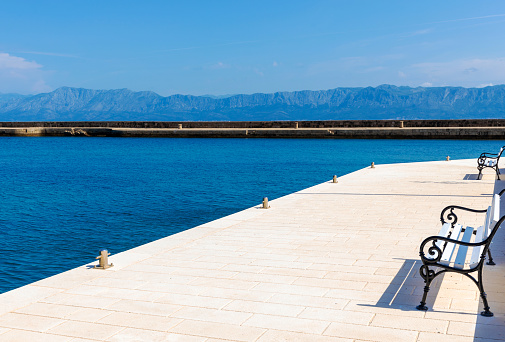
489	160
460	249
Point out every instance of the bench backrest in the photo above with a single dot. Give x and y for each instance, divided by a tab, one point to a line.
501	151
484	231
492	216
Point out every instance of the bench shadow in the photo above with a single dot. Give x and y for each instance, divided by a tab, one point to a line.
406	289
472	176
487	175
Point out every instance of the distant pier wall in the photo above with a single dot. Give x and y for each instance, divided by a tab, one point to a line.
263	124
338	129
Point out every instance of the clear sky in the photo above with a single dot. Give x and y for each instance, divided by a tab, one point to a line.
230	47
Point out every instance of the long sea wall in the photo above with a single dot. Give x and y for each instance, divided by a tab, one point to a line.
262	124
340	129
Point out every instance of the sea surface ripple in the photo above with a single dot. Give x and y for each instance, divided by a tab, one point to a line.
63	199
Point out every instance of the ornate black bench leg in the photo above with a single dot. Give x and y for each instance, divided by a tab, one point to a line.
427	275
486	312
423	306
480	174
490	261
498	172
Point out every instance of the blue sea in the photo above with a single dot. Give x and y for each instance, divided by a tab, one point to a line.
64	199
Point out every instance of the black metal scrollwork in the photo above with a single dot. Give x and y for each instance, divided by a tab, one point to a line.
434	252
450	217
426	273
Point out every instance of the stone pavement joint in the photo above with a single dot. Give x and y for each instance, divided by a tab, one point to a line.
334	262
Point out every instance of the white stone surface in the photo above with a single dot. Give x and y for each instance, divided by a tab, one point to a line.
334	262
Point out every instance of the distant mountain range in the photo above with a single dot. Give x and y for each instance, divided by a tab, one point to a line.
382	102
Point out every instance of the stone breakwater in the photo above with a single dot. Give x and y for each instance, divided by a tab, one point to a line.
346	129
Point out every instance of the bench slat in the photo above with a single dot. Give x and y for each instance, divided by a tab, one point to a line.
495	211
487	222
474	260
443	232
463	250
449	248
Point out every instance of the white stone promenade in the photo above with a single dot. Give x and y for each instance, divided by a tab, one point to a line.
335	262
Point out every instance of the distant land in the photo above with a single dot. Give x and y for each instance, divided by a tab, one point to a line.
369	103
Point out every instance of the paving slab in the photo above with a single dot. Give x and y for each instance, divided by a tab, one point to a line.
334	262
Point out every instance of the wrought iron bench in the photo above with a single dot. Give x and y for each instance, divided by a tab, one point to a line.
489	160
460	249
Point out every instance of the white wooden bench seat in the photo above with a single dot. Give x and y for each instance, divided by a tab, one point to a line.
459	248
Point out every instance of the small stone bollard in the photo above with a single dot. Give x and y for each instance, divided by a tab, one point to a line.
372	166
103	260
401	124
296	125
179	126
335	179
265	203
448	158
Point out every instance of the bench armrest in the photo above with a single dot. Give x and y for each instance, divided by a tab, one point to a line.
487	154
451	217
435	252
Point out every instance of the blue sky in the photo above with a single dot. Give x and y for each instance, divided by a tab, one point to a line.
229	47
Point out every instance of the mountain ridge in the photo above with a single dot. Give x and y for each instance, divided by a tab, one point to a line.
381	102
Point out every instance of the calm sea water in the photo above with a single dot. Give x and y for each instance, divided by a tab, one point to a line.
63	199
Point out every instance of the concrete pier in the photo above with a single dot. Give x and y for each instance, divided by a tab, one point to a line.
334	262
329	129
496	133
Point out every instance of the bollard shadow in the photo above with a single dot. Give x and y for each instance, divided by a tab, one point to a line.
406	289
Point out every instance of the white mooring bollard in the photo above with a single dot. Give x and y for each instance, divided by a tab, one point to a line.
103	260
